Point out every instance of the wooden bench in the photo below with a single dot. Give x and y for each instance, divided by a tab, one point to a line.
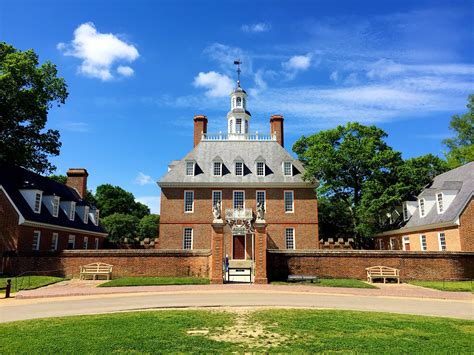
382	272
96	269
300	278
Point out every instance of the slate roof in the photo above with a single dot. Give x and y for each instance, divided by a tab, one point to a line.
14	178
227	151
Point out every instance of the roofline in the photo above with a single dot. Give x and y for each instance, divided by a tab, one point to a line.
28	223
418	228
296	185
464	205
21	219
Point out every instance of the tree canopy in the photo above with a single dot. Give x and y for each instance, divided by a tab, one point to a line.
461	147
120	226
114	199
148	226
27	93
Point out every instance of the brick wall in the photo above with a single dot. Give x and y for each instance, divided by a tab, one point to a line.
352	264
466	229
126	262
9	230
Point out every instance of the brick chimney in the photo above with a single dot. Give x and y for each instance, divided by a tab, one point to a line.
276	127
77	179
200	127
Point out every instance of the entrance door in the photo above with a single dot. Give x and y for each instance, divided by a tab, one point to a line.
239	247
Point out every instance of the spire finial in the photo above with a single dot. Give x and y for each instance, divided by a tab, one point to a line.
238	62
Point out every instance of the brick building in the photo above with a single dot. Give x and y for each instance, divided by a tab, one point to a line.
238	194
38	214
441	218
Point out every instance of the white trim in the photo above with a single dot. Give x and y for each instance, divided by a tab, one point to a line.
264	197
235	167
214	168
292	202
73	241
256	168
21	219
186	168
54	246
392	247
437	202
405	211
55	200
422	213
233	197
212	197
40	202
418	228
439	241
421	242
85	243
72	211
66	229
294	238
405	241
36	246
184	200
293	185
192	237
96	243
291	167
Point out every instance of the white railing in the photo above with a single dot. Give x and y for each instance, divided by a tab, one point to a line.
238	214
238	137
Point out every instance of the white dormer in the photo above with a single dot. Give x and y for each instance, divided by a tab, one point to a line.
94	215
421	207
190	166
52	204
217	166
69	208
83	212
86	214
287	168
34	198
409	207
425	204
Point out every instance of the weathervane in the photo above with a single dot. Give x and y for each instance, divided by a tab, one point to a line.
238	62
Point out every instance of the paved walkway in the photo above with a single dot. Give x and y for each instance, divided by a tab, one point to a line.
405	299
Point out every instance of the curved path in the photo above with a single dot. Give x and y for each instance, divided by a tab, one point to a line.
237	296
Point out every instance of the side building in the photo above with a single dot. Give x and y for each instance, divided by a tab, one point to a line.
442	217
38	214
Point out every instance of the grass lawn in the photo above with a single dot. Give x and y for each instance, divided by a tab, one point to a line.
467	286
28	282
155	281
353	283
239	331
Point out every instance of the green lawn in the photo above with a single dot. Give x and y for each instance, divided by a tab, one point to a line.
467	286
240	331
28	282
154	281
353	283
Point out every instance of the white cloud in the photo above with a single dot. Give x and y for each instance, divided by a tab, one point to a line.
256	27
143	179
216	84
334	76
125	70
153	202
80	127
99	52
298	62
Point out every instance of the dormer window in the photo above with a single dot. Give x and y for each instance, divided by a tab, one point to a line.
55	206
439	199
260	168
72	211
95	218
217	168
421	205
287	168
405	212
189	168
37	206
86	214
239	168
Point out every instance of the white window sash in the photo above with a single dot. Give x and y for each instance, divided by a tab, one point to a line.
216	192
285	194
54	241
186	193
264	197
233	198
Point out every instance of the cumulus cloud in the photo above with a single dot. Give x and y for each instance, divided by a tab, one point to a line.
216	84
334	76
153	202
143	179
298	62
99	52
256	27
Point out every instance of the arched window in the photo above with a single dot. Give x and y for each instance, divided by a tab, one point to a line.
239	102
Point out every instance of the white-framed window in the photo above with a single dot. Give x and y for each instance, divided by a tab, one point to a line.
72	211
421	205
439	200
393	243
96	216
36	240
96	243
71	241
423	242
231	122
187	238
188	201
261	197
405	211
216	197
238	125
86	214
37	206
290	238
287	168
239	199
85	244
260	168
217	168
406	243
289	201
55	206
239	101
442	241
54	241
379	243
239	168
246	126
189	168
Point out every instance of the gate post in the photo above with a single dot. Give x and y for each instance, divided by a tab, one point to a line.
260	252
217	250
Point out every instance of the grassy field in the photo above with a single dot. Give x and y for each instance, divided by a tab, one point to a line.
239	331
155	281
467	286
28	282
352	283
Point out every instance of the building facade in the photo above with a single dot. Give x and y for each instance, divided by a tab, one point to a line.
38	214
238	194
442	217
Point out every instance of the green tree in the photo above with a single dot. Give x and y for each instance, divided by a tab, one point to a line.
149	226
27	93
461	147
114	199
120	226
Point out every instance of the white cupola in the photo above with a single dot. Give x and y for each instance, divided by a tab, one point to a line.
238	116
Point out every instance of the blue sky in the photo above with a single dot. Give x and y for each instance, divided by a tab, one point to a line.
138	71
